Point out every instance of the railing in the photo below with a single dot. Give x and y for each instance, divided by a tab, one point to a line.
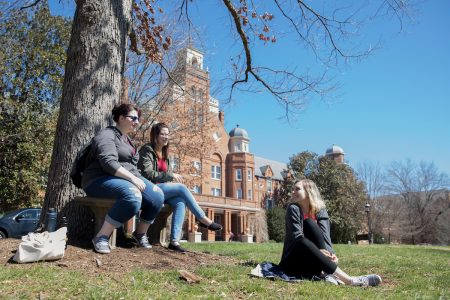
216	201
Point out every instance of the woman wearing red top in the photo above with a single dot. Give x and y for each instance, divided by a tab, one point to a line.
155	166
305	251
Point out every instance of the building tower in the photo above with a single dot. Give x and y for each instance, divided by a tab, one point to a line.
240	165
336	153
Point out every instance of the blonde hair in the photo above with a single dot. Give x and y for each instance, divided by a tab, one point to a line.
316	202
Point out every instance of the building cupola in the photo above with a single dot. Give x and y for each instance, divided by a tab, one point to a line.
336	153
239	140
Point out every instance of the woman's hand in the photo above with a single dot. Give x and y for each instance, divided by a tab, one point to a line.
334	258
127	175
330	255
139	183
178	177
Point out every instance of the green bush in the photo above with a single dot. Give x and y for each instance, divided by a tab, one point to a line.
275	223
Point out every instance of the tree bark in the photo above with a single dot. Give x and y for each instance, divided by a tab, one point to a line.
92	86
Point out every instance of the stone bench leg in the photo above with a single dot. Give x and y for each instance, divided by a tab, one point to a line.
100	207
158	232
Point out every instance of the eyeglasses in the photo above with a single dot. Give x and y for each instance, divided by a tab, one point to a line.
133	118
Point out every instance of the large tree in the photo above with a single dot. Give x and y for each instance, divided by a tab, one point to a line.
96	57
374	179
423	193
33	47
343	193
92	85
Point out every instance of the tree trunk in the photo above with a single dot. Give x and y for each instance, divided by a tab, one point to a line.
92	85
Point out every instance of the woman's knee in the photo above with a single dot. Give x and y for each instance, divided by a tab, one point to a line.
133	198
159	195
155	195
179	188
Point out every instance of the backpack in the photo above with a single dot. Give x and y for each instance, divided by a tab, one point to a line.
80	164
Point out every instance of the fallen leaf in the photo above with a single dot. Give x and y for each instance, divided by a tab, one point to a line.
189	277
98	262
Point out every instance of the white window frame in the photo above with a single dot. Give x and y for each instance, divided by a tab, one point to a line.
249	174
238	174
250	194
216	192
269	185
239	193
216	172
198	166
245	147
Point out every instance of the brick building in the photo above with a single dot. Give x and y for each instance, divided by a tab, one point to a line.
232	185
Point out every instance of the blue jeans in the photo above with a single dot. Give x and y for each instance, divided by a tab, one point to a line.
178	197
129	200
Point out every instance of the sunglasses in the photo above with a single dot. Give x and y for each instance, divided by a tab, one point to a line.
133	118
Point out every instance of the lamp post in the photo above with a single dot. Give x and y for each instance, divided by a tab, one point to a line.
369	233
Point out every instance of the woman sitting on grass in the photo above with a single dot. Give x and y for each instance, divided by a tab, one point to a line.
155	166
307	251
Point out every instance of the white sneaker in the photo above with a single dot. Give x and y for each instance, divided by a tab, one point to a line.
367	280
101	244
331	279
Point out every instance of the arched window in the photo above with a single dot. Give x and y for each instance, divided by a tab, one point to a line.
195	63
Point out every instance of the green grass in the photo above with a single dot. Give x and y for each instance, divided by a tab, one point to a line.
409	272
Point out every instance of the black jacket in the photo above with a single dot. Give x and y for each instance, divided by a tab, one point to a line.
294	227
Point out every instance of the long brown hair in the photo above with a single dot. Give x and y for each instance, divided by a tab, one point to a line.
154	133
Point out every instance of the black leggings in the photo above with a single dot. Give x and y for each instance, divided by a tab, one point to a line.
305	258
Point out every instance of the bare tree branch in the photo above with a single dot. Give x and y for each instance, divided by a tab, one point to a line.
31	5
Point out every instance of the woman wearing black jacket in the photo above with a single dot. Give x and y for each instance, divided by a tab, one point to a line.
307	250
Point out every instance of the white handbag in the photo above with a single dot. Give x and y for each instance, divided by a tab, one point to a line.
42	246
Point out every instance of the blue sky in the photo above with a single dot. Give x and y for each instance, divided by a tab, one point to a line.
391	106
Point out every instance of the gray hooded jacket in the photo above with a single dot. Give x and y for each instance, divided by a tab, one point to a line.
109	152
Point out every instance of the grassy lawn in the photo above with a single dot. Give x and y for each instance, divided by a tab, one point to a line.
409	272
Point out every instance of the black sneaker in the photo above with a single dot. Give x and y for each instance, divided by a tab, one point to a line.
213	226
177	248
141	240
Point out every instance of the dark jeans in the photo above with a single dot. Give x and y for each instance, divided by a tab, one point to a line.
305	259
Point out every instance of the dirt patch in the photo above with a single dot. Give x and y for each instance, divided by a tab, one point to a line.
80	256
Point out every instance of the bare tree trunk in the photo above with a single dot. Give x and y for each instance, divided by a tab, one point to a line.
92	85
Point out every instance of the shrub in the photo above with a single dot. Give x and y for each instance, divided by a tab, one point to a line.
275	223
